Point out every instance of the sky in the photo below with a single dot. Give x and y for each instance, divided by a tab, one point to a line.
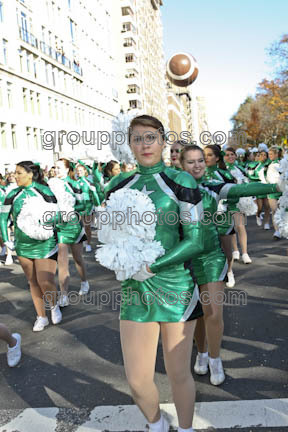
229	39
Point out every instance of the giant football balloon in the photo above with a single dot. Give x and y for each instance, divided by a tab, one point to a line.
182	69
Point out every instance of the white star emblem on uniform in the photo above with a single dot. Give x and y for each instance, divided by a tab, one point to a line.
145	191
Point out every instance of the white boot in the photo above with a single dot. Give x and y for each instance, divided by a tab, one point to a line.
231	280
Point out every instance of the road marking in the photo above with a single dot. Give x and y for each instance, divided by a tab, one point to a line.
33	420
266	413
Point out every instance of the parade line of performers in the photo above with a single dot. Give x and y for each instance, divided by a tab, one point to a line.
198	257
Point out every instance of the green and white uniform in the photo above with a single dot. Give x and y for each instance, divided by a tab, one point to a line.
253	172
90	195
98	181
211	265
26	246
176	197
270	174
224	176
2	194
72	232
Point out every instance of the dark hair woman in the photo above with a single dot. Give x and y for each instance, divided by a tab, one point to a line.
36	247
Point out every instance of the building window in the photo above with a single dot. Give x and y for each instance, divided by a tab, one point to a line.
5	51
1	11
62	111
35	138
130	58
28	61
127	11
25	100
72	30
24	27
35	67
38	103
133	88
32	102
13	134
47	72
134	104
43	31
28	134
3	135
56	109
50	107
69	4
127	26
131	73
21	59
53	77
129	42
9	95
67	112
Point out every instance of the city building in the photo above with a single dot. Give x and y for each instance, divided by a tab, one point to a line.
141	66
202	114
186	111
57	74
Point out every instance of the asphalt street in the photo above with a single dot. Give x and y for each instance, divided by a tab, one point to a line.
77	365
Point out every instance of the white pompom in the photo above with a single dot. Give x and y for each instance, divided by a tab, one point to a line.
281	214
66	201
128	238
121	149
239	176
32	216
247	206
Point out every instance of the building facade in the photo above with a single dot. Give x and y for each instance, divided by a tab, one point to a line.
57	73
186	111
141	68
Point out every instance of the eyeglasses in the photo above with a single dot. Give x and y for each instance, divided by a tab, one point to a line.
175	151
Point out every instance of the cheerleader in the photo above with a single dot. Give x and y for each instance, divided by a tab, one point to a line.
271	175
253	174
239	222
216	170
175	154
174	192
127	167
102	174
70	232
38	257
241	158
91	199
210	266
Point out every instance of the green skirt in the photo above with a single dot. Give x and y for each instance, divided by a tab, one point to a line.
210	267
169	296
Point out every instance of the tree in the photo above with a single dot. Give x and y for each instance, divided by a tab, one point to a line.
266	115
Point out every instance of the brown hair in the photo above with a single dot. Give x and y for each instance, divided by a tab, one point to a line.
188	148
275	150
68	165
85	170
182	143
147	120
218	153
109	167
231	149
